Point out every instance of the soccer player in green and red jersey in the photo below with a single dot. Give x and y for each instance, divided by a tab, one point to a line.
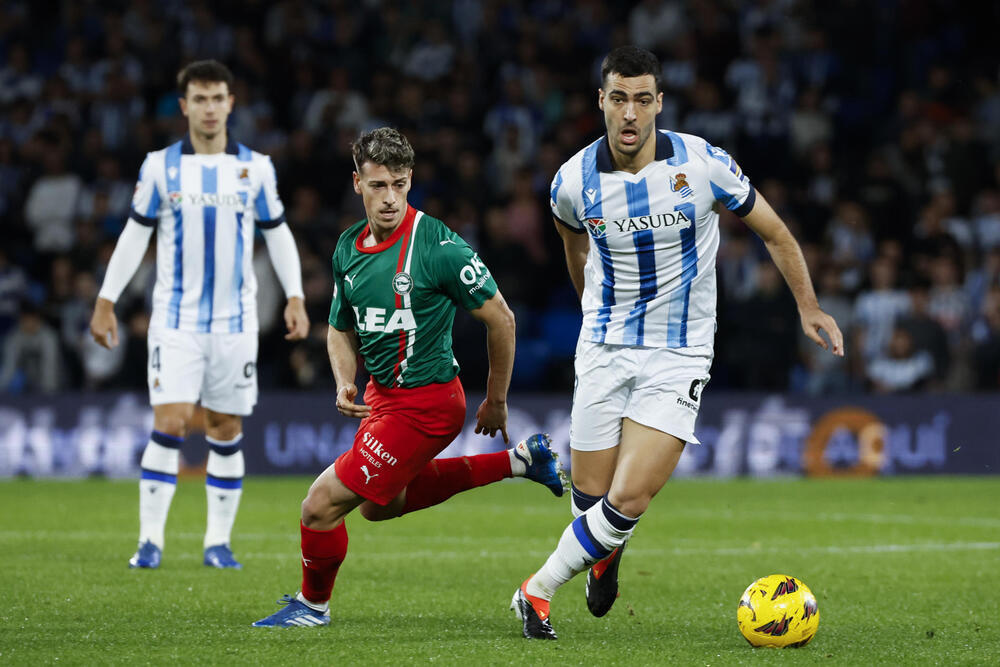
398	277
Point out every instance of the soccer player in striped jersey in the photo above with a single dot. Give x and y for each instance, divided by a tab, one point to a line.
203	195
636	211
399	276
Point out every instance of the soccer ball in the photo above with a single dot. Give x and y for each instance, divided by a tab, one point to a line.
778	610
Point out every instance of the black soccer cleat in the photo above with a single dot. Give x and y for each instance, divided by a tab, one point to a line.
535	623
602	583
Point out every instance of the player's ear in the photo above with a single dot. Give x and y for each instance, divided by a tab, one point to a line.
659	102
357	183
184	105
600	99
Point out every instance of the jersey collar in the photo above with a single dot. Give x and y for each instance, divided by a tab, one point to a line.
232	148
404	228
664	151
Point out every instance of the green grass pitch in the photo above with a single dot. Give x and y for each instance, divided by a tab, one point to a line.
906	571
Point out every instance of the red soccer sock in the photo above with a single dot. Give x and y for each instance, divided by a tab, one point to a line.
442	478
322	553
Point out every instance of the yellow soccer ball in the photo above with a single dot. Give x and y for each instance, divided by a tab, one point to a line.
778	610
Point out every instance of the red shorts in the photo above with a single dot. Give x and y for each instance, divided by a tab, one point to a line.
406	429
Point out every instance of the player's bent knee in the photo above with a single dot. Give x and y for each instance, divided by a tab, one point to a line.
316	509
630	504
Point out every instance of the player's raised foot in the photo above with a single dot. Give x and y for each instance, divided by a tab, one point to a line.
534	614
602	583
146	557
221	556
541	463
294	612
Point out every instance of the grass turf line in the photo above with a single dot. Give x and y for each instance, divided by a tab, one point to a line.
905	572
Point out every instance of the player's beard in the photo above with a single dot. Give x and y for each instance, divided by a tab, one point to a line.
642	135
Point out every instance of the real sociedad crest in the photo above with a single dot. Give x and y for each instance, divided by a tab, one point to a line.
402	283
679	184
175	199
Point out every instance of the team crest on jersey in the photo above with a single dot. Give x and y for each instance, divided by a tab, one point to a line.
597	228
243	173
175	199
402	283
679	184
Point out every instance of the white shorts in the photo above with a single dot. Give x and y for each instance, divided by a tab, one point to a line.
656	387
218	368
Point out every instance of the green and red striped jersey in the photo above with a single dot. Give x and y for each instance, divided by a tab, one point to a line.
400	297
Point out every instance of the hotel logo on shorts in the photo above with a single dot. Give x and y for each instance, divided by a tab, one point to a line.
402	283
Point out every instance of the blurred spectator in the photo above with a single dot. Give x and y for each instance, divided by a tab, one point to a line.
31	359
926	333
902	368
851	242
52	201
13	291
876	310
987	350
949	303
762	348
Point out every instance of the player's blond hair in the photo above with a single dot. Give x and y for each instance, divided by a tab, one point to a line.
384	146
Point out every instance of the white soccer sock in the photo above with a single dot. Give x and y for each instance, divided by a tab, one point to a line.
315	606
589	538
517	465
223	488
157	484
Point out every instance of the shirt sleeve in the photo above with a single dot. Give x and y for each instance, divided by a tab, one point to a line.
730	185
147	198
462	275
268	210
341	315
562	204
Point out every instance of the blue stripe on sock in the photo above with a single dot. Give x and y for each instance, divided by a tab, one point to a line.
586	539
166	440
224	482
158	476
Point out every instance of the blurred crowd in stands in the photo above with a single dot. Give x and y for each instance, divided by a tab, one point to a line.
872	127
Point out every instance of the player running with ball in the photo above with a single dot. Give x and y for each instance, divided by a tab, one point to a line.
636	212
398	277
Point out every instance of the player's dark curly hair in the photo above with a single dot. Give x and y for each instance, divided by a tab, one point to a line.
385	146
211	71
629	61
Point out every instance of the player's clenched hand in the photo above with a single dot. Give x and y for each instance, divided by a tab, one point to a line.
296	319
104	324
492	417
346	405
815	319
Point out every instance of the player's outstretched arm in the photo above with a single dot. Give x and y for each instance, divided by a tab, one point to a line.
787	256
499	320
342	347
576	247
124	261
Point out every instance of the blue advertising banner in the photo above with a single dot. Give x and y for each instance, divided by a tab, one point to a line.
741	434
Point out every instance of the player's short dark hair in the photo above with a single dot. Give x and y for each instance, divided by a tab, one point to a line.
630	61
385	146
209	71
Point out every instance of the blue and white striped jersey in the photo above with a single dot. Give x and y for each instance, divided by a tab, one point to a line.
204	208
650	271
